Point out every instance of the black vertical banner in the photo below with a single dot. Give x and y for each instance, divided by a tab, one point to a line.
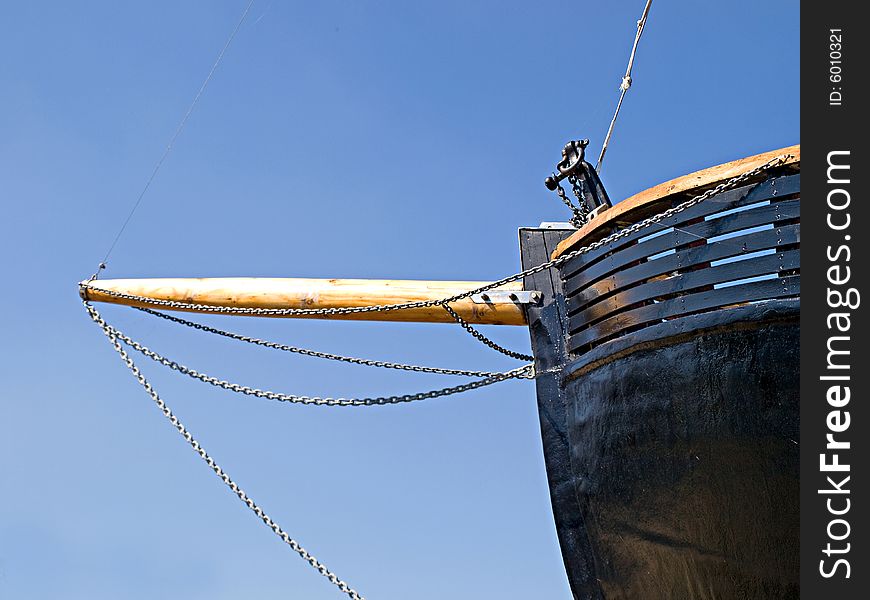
835	369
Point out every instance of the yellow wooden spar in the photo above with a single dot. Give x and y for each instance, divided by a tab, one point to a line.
497	307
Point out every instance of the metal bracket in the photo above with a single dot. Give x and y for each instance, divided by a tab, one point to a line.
601	208
521	297
572	159
555	225
574	167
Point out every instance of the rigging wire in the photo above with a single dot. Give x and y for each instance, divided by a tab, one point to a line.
174	137
626	83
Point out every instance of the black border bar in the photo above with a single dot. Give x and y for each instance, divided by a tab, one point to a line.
834	254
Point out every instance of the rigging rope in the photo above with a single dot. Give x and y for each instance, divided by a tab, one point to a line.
174	137
626	83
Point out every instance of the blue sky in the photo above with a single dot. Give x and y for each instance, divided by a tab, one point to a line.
337	139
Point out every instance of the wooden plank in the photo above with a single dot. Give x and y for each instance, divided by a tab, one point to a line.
688	234
786	235
661	289
694	182
265	292
775	189
685	305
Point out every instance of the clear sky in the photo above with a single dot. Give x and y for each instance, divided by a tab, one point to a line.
337	139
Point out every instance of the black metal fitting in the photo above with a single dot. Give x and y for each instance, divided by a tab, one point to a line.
572	156
574	167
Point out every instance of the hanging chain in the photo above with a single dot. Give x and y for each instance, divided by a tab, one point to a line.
524	372
579	218
648	222
317	354
483	339
583	217
234	487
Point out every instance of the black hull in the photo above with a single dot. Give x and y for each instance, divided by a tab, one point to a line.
685	458
671	441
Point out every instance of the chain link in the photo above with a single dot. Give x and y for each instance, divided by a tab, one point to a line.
579	217
485	340
317	354
583	216
230	310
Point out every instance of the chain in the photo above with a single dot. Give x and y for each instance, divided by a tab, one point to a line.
230	310
583	217
524	372
317	354
234	487
579	217
483	339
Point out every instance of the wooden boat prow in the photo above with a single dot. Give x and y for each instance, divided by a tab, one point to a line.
649	201
668	389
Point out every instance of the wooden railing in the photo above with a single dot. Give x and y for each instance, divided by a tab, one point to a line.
738	247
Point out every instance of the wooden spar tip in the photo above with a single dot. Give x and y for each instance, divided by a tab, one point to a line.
497	308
